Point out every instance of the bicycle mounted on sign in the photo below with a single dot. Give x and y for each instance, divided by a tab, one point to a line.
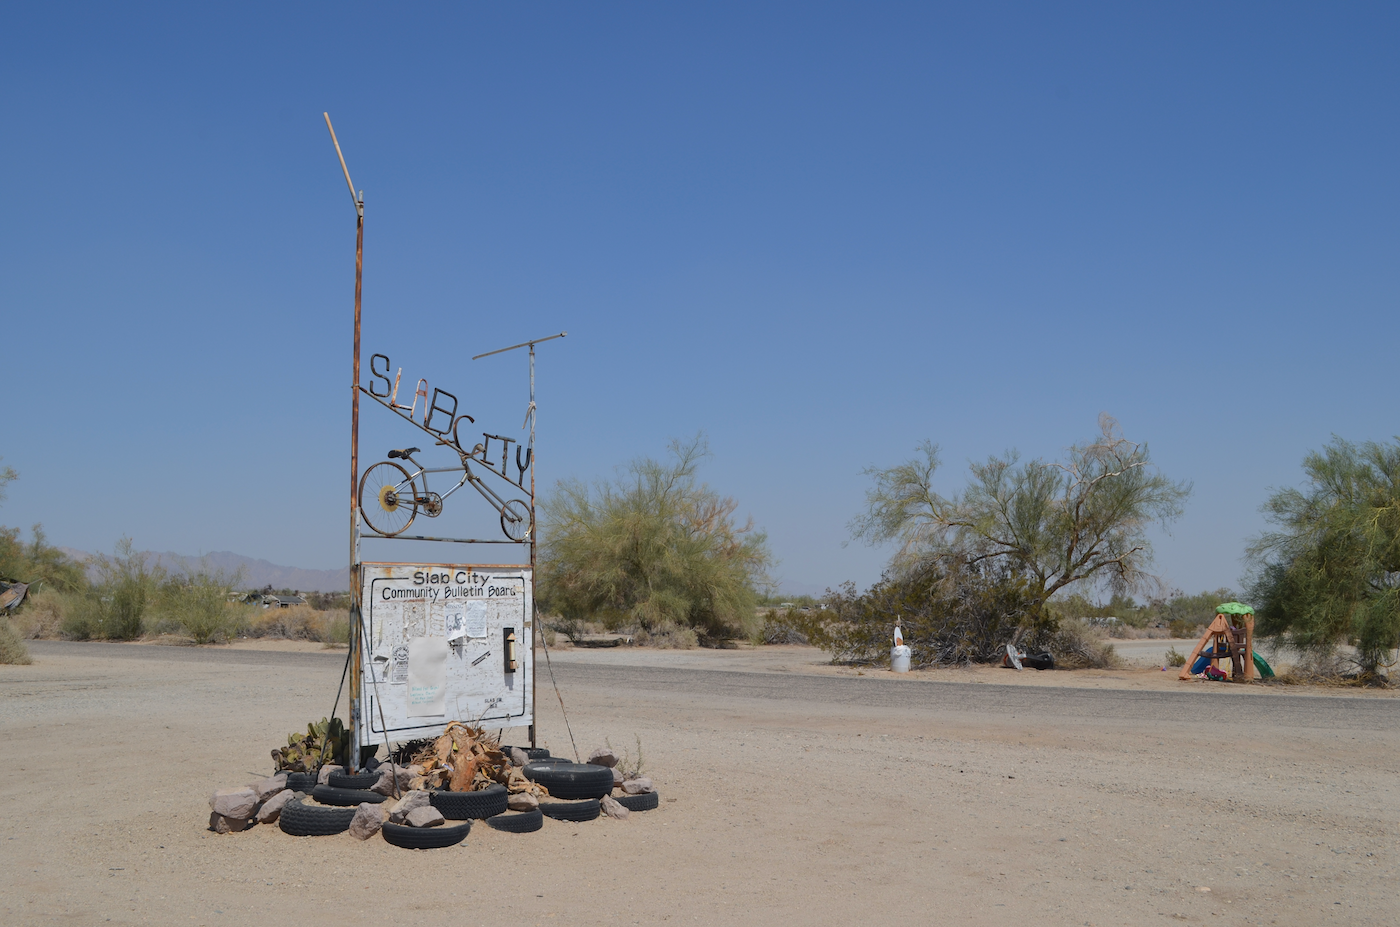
389	495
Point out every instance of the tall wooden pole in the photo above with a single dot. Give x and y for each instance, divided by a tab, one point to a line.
356	631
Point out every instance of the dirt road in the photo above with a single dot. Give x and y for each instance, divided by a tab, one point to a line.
792	793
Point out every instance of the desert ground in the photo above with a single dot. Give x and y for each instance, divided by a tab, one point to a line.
792	792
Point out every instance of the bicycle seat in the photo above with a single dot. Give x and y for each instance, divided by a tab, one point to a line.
404	453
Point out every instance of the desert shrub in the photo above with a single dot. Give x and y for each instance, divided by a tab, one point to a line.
655	549
1175	657
667	636
199	602
12	649
950	612
779	627
38	563
1078	645
83	617
117	606
42	614
298	622
572	628
1185	628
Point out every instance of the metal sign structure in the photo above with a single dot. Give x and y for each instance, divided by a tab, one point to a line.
436	642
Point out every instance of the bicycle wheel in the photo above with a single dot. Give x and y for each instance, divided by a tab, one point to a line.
388	498
515	520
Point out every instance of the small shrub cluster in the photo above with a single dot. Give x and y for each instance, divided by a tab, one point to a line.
12	649
1079	645
779	627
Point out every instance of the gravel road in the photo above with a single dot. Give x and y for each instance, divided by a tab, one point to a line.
791	796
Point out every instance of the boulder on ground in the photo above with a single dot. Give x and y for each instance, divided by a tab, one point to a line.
325	777
222	824
424	816
617	777
367	820
522	801
234	803
519	757
613	809
602	756
266	788
272	808
415	799
637	786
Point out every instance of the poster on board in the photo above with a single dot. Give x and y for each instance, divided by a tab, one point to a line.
444	642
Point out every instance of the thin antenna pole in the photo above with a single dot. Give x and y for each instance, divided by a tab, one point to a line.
355	605
534	539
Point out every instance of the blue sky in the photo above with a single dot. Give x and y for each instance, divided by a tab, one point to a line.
818	233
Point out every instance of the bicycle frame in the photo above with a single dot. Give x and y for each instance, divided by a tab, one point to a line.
468	476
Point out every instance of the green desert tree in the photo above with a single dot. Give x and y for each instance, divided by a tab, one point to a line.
655	548
1076	523
1329	573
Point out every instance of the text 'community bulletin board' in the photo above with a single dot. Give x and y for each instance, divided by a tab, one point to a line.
444	642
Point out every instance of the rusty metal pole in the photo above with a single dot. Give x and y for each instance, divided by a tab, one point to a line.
355	612
534	545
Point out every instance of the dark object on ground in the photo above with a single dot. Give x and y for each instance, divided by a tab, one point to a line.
424	838
301	782
571	781
1039	661
549	760
461	806
330	795
646	801
520	822
586	810
600	642
356	781
405	752
534	753
301	820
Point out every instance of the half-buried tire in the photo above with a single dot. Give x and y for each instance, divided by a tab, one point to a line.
586	810
356	781
521	822
425	838
571	781
300	782
301	820
647	801
330	795
534	753
462	806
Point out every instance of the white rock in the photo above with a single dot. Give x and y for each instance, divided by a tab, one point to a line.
273	806
266	788
416	799
325	777
602	757
612	809
522	801
367	820
234	803
638	786
425	816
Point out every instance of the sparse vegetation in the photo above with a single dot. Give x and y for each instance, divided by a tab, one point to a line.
655	550
1175	657
12	649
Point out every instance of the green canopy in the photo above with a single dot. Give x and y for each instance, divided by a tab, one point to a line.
1233	608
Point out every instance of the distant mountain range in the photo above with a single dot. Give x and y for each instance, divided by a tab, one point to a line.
256	573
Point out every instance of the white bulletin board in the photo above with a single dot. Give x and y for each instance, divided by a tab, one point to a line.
438	638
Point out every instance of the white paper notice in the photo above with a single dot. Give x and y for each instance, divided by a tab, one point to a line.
476	619
456	624
427	676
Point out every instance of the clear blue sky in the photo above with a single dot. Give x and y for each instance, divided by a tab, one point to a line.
819	233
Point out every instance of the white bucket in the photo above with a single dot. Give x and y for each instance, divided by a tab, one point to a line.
899	659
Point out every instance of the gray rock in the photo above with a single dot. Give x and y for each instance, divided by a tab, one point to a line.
222	824
266	788
522	801
612	809
617	777
425	816
416	799
602	757
519	757
385	785
367	821
234	803
325	777
273	806
638	786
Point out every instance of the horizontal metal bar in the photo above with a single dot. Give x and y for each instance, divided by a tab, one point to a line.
420	537
523	344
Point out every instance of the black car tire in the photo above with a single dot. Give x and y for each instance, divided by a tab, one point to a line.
302	820
646	801
425	838
356	781
571	781
330	795
521	822
586	810
462	806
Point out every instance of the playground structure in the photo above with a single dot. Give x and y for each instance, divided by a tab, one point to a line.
1230	637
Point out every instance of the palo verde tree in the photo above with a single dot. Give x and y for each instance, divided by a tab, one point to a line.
655	548
1330	571
1052	524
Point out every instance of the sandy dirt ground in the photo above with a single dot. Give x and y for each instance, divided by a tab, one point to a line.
793	792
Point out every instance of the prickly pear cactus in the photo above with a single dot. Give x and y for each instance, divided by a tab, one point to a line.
325	741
